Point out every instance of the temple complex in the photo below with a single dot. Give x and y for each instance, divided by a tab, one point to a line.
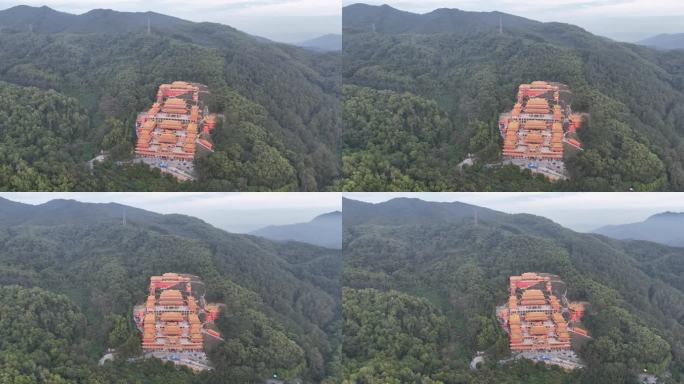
540	128
537	316
174	128
174	319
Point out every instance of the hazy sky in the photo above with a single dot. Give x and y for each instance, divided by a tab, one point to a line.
579	211
233	212
624	20
281	20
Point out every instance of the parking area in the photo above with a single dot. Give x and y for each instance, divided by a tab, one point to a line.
197	361
567	359
181	169
554	169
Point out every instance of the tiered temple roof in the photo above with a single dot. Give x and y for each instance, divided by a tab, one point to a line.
175	106
170	128
538	109
536	316
537	106
536	125
170	318
533	316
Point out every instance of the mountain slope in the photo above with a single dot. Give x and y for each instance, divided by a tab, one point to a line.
282	300
471	71
665	41
280	128
324	230
459	268
664	228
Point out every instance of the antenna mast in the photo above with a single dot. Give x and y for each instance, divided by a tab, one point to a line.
149	25
500	25
124	217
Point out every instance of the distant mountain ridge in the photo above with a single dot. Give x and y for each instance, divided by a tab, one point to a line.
403	211
324	230
664	228
47	20
665	41
61	211
326	43
386	19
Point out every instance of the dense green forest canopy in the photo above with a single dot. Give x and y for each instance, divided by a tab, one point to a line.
71	86
70	274
441	79
422	281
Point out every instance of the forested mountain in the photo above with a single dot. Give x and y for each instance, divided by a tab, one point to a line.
71	85
325	43
47	20
324	230
71	272
385	19
665	41
419	297
664	228
441	79
412	211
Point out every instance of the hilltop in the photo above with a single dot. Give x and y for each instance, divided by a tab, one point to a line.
389	20
45	20
407	211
